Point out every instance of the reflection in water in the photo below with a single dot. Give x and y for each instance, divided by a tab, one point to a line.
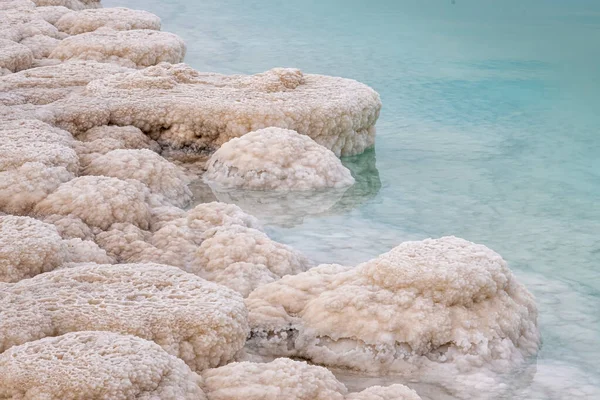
288	209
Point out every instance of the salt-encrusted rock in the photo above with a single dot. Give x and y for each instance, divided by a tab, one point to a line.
287	379
71	4
52	14
14	56
224	246
70	227
135	48
17	24
100	201
35	159
242	277
95	365
28	247
8	4
117	18
279	379
394	392
276	159
40	46
130	136
183	108
47	84
440	305
162	177
200	322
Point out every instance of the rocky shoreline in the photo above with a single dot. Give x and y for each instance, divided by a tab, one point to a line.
113	286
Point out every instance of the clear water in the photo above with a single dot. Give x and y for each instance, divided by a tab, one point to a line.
490	131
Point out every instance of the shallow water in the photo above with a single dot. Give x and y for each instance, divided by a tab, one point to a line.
490	131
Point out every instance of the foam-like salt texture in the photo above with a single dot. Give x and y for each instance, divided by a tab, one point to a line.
182	108
95	365
200	322
118	18
14	56
276	159
433	308
134	48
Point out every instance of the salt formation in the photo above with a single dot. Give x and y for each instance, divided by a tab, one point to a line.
200	322
135	48
118	18
394	392
129	136
162	177
276	159
14	57
72	4
29	247
439	304
35	159
95	365
215	241
182	108
100	201
40	46
45	85
19	23
287	379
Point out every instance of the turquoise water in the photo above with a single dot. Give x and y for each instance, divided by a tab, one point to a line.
490	131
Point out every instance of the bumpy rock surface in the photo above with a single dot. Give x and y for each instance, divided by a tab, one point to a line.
118	18
100	201
435	303
276	159
45	85
14	57
162	177
28	247
200	322
95	365
183	108
35	159
135	48
394	392
72	4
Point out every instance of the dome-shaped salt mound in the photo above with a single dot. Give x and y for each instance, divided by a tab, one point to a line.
100	201
135	48
200	322
95	365
117	18
14	56
444	303
276	159
161	176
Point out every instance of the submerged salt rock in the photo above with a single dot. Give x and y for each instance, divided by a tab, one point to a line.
182	108
28	247
279	379
161	176
100	201
118	18
95	365
47	84
276	159
394	392
135	48
200	322
14	56
439	303
35	159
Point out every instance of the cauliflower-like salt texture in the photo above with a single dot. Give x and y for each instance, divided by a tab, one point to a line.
95	365
202	323
276	159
